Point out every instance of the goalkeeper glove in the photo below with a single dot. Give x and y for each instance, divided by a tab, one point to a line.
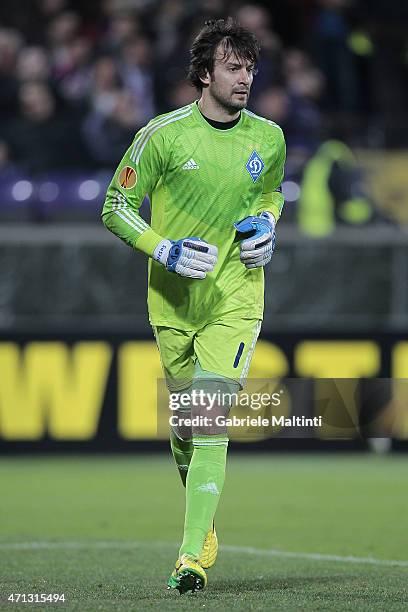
191	257
259	244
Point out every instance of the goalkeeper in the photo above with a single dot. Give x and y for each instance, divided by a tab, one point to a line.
212	170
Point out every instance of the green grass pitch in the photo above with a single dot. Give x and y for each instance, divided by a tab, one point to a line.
297	532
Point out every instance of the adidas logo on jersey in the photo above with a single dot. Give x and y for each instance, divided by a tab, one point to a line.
191	165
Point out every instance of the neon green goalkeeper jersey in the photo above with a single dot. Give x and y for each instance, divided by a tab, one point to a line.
200	180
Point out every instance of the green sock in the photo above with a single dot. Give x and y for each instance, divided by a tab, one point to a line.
205	479
182	452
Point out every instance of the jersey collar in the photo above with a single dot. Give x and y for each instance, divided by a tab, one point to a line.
198	115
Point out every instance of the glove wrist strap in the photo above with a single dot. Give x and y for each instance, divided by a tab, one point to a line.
268	215
161	252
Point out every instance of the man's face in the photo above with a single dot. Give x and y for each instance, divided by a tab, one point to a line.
231	81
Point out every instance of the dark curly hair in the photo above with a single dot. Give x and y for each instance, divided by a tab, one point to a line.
236	39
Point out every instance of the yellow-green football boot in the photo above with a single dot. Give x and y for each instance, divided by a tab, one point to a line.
188	575
210	549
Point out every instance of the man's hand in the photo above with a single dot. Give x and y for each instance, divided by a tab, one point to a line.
258	239
191	257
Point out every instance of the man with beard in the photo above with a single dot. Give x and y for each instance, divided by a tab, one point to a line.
212	170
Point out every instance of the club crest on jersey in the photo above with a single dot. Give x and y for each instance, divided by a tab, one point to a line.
127	177
255	165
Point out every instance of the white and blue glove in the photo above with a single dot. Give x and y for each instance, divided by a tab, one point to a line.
257	239
191	257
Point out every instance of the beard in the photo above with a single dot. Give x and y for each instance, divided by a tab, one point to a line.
229	102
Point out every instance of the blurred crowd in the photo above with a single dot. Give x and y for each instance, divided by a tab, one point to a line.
78	79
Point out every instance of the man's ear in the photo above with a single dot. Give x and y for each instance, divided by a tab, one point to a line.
205	78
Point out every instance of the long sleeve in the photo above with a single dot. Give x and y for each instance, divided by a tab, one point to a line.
137	175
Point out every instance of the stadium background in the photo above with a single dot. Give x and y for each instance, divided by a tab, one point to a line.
90	502
77	357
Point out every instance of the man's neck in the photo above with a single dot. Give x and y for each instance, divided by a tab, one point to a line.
221	125
212	110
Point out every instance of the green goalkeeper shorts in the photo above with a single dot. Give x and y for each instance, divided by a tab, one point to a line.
224	347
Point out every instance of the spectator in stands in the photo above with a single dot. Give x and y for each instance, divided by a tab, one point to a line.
298	117
122	27
301	76
329	45
104	86
180	94
62	31
135	68
33	65
43	139
167	25
107	135
74	85
10	44
258	20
